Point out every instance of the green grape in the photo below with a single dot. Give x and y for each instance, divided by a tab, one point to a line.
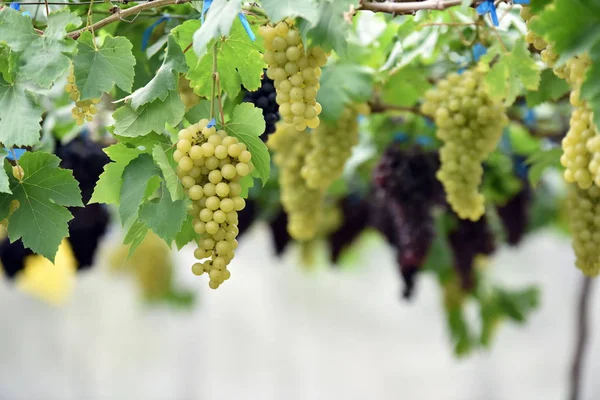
295	71
84	110
302	204
331	148
579	146
186	93
583	207
210	166
470	124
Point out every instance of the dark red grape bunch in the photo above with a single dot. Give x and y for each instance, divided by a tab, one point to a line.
408	188
264	98
355	212
467	240
515	215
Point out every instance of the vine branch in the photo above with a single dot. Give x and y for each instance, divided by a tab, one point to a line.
582	339
215	76
412	6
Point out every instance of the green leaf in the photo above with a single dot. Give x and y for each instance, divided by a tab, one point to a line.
238	61
165	80
342	84
149	117
4	184
199	111
590	90
165	162
97	70
331	30
19	116
247	124
551	88
136	177
513	70
405	87
186	234
43	58
541	160
218	21
41	220
165	216
8	63
572	26
278	10
135	235
145	143
108	187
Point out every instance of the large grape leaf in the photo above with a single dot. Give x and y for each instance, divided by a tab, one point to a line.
405	87
136	178
186	234
19	116
238	61
590	90
164	160
108	187
43	58
4	184
342	84
219	18
551	88
41	220
278	10
149	117
164	216
247	124
136	233
511	72
331	30
98	69
164	81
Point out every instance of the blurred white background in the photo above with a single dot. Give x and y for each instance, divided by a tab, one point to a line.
276	331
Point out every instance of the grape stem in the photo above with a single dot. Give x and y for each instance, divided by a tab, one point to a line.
582	339
215	77
412	6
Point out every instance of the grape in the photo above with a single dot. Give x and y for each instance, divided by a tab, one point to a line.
583	207
302	204
295	71
279	232
331	148
580	149
514	215
470	124
209	165
84	109
264	98
355	217
186	93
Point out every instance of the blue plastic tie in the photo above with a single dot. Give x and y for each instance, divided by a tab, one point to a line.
148	32
423	140
478	51
246	26
211	123
400	137
488	7
14	154
205	5
524	2
15	6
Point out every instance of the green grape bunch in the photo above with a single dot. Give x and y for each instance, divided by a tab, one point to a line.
470	124
302	204
211	165
83	109
295	71
583	207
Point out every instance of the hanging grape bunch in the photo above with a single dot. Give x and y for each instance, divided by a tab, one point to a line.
470	124
84	109
264	98
583	208
210	165
296	71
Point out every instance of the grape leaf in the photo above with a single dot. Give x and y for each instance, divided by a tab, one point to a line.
512	71
97	70
238	61
551	88
342	84
541	160
331	30
164	81
135	235
149	117
145	143
43	58
278	10
164	160
136	177
186	233
247	124
590	90
405	87
199	111
41	220
165	216
4	184
572	26
108	187
19	116
8	63
218	21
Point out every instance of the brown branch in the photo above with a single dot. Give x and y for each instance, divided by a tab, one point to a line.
411	7
582	339
125	13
